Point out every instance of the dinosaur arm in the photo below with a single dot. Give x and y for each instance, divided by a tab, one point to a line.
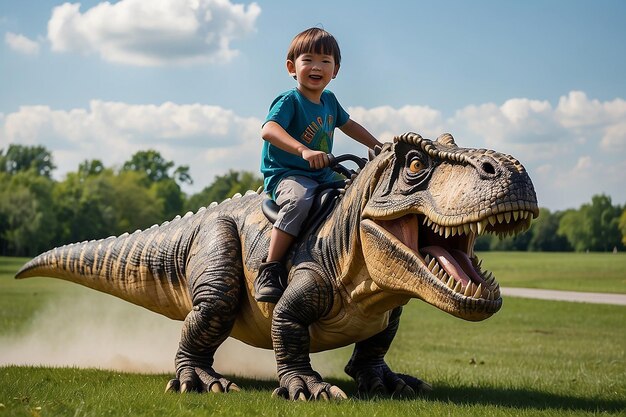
370	371
307	298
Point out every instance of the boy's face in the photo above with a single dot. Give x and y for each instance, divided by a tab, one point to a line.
313	71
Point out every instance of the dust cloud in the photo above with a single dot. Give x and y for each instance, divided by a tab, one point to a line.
100	331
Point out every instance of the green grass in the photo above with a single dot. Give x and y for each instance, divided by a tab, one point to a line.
593	272
533	358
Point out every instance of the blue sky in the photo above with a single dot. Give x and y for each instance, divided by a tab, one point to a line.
542	80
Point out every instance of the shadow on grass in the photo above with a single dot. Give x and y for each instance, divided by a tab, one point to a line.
484	396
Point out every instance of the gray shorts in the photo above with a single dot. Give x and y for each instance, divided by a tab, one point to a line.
295	195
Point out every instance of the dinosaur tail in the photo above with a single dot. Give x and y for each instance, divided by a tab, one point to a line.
146	268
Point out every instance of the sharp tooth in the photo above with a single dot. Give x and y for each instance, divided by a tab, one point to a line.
507	216
473	227
479	291
427	259
492	220
515	215
487	295
425	221
451	282
441	275
435	268
458	287
501	218
454	230
431	264
468	290
467	229
447	232
480	226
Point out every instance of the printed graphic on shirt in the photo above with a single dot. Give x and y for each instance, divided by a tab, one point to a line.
320	131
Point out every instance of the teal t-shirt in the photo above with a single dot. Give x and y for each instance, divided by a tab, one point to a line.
311	124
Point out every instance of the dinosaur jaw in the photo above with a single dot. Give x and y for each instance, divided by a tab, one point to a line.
437	263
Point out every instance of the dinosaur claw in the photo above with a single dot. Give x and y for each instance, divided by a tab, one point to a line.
232	387
425	387
216	387
281	392
300	396
323	396
337	393
173	385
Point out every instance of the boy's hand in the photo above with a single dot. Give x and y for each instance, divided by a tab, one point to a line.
316	159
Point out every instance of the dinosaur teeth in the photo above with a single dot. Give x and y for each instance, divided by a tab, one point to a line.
479	291
458	286
451	283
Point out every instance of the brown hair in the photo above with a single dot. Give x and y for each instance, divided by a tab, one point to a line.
314	40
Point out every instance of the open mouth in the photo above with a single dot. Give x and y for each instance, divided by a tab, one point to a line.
447	252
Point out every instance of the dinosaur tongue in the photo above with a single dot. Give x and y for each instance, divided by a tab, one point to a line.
456	263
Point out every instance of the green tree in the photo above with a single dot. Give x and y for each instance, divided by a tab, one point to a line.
593	227
544	233
622	226
224	186
27	221
135	206
84	204
18	158
156	167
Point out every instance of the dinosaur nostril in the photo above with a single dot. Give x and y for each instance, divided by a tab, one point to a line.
488	168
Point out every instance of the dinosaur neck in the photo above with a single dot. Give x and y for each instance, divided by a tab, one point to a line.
341	250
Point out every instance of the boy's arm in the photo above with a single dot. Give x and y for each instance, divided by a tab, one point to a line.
360	134
277	136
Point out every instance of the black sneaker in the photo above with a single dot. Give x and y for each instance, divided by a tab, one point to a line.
271	282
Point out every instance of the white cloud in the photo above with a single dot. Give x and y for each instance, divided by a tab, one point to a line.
21	43
208	138
152	33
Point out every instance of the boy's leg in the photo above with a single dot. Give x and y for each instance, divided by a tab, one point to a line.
295	197
279	244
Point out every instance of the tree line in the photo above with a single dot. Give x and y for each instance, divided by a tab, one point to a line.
38	213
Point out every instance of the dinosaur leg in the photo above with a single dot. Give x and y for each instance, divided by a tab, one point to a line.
368	368
307	298
216	295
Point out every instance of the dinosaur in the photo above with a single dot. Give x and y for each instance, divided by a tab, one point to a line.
404	228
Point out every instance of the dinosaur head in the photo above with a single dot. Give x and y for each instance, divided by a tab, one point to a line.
428	201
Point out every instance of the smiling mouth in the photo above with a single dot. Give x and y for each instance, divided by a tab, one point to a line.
447	252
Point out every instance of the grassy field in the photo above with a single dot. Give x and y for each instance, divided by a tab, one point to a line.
533	358
593	272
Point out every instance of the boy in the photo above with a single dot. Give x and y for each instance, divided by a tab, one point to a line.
298	135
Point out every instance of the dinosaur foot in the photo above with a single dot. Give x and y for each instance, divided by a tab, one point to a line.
200	380
382	381
307	388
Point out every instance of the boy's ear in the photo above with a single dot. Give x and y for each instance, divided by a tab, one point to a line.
336	71
291	68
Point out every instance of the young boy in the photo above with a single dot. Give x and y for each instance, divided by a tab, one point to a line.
298	135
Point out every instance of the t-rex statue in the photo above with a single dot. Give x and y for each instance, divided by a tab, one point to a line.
404	228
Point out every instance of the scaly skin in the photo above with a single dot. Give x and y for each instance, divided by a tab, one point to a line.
404	229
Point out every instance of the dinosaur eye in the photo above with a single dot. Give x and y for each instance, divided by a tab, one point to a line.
416	166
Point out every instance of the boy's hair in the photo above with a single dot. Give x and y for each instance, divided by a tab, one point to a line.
314	40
